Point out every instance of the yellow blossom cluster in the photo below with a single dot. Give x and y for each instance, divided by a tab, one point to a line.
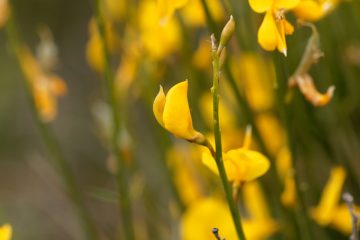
275	27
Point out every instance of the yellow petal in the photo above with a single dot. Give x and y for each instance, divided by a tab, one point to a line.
268	34
158	106
259	229
261	6
255	201
176	116
288	196
324	212
206	214
309	10
271	131
57	85
209	161
342	219
45	101
281	37
254	163
286	4
288	27
241	165
166	8
5	232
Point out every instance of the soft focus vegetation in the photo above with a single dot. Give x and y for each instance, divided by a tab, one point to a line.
180	119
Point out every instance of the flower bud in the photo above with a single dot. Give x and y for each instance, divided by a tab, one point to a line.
226	33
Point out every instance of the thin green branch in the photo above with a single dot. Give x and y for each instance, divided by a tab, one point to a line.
218	146
52	145
122	187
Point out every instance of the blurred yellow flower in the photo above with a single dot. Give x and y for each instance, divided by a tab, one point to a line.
157	39
330	211
194	15
167	8
94	51
342	218
258	224
207	213
257	77
46	87
4	12
115	9
271	131
241	165
5	232
204	215
314	10
185	174
324	213
285	171
201	58
271	34
173	113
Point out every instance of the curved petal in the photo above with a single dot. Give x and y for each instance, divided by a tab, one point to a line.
281	46
309	10
158	106
324	212
254	163
268	34
209	161
261	6
176	117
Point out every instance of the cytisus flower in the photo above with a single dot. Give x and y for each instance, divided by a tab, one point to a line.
314	10
168	7
45	86
241	165
173	113
271	34
5	232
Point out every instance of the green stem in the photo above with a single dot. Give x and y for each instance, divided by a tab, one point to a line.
122	187
52	145
218	147
286	113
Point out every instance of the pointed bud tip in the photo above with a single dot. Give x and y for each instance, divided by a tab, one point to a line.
284	51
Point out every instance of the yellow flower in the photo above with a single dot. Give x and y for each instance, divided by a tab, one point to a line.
271	131
274	27
46	87
157	39
258	78
5	232
168	7
259	224
207	213
202	216
173	113
194	15
324	213
285	171
94	51
241	165
314	10
4	12
185	177
115	9
342	219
